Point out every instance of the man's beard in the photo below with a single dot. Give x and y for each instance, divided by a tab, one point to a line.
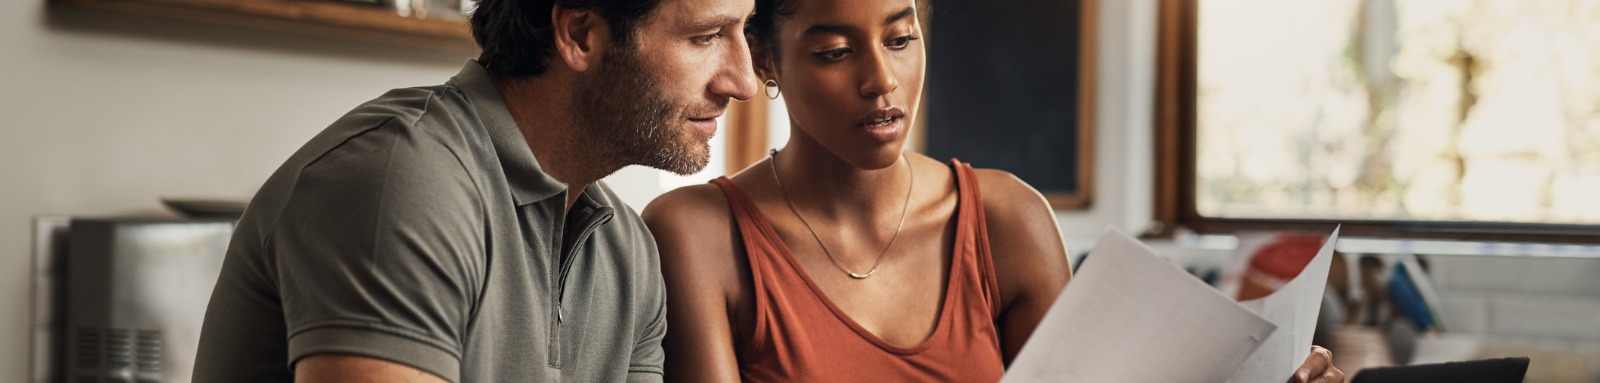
628	116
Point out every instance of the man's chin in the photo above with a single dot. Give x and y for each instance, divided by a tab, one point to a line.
690	156
690	166
683	168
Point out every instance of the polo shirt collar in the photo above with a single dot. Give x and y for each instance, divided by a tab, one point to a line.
529	183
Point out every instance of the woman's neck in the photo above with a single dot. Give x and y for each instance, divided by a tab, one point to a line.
833	189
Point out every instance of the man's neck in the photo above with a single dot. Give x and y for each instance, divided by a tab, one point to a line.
541	108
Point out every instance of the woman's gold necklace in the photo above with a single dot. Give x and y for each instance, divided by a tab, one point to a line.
912	181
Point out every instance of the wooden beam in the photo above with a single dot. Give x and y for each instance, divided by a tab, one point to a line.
747	133
325	18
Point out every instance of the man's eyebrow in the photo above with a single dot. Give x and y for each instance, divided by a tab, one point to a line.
841	29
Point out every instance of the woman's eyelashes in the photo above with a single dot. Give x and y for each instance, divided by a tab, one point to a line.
839	54
833	55
901	42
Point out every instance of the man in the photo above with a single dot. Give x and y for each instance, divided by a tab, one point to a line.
459	232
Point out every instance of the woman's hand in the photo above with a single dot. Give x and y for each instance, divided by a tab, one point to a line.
1318	368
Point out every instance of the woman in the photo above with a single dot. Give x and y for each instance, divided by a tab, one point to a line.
840	257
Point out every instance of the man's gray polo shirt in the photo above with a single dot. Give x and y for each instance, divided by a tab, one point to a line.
419	229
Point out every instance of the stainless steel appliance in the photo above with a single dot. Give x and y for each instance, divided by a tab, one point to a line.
136	294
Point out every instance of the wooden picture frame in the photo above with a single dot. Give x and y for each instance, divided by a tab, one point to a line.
1016	85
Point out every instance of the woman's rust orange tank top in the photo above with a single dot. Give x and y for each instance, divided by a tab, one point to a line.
800	336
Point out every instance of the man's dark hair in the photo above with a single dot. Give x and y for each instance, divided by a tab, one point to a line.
518	40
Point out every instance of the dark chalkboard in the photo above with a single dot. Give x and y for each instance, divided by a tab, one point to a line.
1007	89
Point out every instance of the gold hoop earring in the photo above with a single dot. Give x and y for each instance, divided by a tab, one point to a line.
772	89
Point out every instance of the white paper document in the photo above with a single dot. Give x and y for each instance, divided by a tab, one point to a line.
1293	308
1129	316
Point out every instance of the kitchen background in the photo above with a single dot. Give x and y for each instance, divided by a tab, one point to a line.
105	114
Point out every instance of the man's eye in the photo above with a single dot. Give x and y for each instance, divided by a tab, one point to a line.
707	39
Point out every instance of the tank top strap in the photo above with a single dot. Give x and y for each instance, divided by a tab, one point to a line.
759	236
760	243
974	227
744	211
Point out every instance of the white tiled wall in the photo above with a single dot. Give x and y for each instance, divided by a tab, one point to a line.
1576	276
1545	308
1538	297
1465	311
1565	317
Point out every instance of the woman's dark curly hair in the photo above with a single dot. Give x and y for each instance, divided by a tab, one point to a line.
763	25
517	39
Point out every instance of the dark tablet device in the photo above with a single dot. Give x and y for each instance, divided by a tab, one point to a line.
1504	370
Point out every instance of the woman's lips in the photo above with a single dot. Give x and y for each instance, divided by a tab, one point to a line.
883	125
885	130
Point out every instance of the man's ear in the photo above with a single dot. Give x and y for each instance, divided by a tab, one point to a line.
581	37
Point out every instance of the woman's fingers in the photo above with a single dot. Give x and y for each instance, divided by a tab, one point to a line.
1317	366
1332	376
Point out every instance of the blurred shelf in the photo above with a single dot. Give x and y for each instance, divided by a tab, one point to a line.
328	17
1220	243
1467	248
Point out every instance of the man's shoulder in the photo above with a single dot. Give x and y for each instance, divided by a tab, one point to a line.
434	113
410	105
420	129
409	143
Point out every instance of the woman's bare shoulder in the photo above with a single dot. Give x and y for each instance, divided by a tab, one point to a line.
689	203
1030	259
696	235
1009	201
692	221
1024	237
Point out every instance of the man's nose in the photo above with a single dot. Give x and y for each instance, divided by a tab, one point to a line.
735	77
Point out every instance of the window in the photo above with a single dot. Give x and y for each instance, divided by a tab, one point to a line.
1406	117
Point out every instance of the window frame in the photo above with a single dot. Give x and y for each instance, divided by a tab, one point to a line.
1175	152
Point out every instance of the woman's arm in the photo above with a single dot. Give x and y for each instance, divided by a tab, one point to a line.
694	233
1030	258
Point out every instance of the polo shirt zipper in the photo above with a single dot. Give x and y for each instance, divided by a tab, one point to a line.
571	255
567	259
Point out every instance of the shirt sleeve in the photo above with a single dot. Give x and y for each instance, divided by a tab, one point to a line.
648	357
380	251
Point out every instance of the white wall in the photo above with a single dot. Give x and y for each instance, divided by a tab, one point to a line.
1124	163
104	114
